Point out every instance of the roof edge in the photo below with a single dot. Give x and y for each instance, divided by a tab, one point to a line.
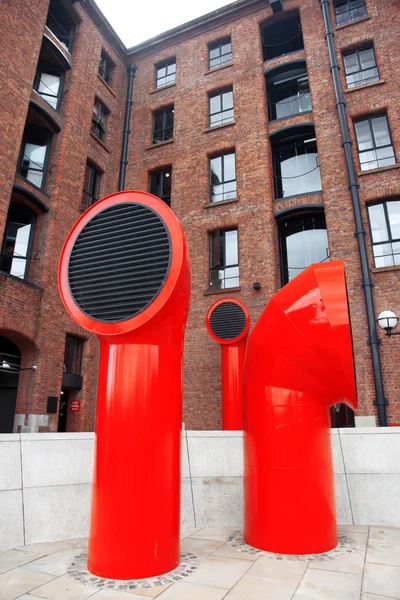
220	13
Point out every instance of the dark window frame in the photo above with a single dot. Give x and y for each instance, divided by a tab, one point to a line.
106	68
288	37
28	257
67	38
55	73
161	65
211	194
166	132
74	355
162	171
218	45
274	89
390	239
375	147
298	219
349	11
219	264
92	194
361	70
22	154
220	94
99	121
291	139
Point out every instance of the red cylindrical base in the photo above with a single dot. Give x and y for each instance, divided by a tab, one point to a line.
288	486
232	358
135	518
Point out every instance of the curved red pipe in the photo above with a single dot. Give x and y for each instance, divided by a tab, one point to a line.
135	516
232	360
299	362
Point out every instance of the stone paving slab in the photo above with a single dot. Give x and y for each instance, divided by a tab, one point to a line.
216	565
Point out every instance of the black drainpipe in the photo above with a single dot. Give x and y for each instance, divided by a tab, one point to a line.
360	233
125	135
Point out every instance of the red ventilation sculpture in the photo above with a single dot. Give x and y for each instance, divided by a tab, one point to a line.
228	323
299	362
125	276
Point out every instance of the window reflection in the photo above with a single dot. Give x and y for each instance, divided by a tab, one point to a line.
296	166
303	241
17	241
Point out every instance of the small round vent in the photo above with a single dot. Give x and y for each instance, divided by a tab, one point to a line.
119	262
227	320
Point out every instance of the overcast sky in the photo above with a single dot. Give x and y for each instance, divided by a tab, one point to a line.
139	20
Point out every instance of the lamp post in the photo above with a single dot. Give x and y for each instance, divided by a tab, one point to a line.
388	321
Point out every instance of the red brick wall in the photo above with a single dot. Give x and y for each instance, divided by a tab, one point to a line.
253	213
34	318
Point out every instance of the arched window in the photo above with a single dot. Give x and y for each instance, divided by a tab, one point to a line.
10	360
282	36
288	90
295	160
17	243
302	242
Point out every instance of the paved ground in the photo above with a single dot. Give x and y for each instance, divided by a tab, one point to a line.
370	572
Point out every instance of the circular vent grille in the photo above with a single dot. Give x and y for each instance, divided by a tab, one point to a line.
119	262
227	320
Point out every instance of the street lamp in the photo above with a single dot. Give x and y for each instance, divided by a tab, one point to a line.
388	321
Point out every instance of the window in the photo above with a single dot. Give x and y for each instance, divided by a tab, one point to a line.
91	186
166	73
106	68
296	166
48	86
61	24
282	37
34	154
160	184
302	242
360	67
17	242
349	10
221	108
224	261
219	53
222	177
288	92
73	355
99	119
384	221
375	148
163	125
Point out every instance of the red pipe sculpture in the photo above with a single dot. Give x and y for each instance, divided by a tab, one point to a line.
125	276
228	323
299	362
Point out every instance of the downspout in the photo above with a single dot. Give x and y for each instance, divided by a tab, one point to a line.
380	401
131	69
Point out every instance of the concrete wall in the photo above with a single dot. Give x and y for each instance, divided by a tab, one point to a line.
45	481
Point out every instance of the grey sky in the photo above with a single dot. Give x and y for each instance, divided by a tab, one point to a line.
136	21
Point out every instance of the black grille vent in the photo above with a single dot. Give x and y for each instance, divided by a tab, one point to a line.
227	320
119	262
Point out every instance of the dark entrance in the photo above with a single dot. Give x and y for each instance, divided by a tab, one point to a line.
63	412
10	360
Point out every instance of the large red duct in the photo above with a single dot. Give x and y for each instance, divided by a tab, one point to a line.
124	275
299	362
228	323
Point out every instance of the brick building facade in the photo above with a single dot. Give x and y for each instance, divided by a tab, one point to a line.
234	124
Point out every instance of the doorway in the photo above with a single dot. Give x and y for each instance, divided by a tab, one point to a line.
10	361
63	411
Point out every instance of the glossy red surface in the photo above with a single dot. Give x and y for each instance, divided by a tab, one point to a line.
298	363
232	359
135	518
